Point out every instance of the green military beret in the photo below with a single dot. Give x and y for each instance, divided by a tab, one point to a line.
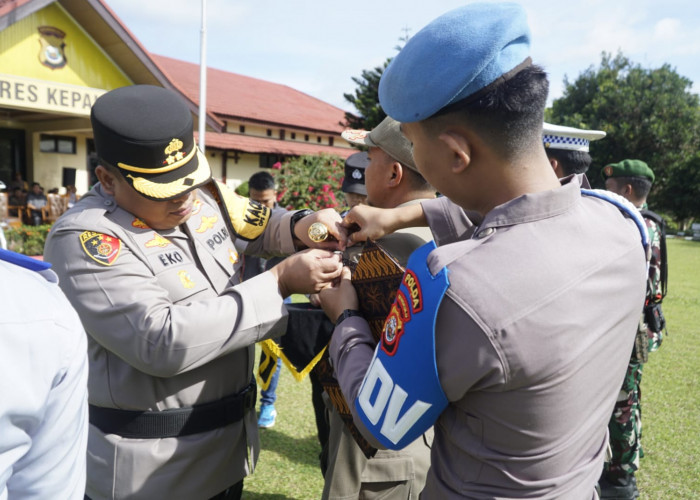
628	168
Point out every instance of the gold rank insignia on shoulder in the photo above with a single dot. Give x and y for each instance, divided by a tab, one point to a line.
157	241
138	223
185	279
196	206
207	223
101	248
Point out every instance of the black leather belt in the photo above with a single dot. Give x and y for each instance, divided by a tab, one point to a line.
175	422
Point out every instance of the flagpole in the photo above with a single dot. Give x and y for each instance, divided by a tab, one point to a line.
203	78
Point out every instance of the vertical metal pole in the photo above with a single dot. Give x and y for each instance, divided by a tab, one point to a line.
203	78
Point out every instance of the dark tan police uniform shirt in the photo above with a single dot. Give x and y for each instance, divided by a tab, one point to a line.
389	475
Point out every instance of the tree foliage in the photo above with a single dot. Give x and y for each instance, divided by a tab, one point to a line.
684	186
648	114
366	95
366	99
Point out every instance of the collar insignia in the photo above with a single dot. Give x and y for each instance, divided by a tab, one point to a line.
232	256
196	206
138	223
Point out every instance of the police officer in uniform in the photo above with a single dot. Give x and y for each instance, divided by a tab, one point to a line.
567	148
392	181
490	337
150	259
353	186
43	385
633	180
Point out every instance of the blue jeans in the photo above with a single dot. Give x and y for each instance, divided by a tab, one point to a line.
269	395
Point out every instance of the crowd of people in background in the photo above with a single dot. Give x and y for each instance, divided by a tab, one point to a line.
32	205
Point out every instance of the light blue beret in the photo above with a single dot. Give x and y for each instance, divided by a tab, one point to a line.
453	57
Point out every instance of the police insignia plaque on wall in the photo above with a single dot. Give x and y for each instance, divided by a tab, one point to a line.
52	53
376	278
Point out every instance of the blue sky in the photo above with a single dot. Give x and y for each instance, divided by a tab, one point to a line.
318	46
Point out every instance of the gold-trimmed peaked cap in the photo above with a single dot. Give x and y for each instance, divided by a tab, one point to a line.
146	132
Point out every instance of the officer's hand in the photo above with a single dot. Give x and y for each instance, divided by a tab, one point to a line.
335	299
308	271
364	222
337	233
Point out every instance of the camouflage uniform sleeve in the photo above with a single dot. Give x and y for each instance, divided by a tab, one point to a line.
654	292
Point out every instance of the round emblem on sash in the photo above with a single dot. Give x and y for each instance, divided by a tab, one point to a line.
390	329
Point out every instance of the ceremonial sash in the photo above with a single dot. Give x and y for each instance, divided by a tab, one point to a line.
376	277
401	396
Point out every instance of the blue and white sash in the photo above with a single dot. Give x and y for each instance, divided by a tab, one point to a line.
401	396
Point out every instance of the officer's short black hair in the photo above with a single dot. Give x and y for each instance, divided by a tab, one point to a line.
509	115
415	179
572	162
261	181
640	185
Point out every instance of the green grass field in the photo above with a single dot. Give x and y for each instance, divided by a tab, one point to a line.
288	466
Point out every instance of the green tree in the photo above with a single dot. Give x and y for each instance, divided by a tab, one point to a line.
366	99
648	114
366	95
685	186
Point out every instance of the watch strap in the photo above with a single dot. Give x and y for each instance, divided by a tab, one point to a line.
347	313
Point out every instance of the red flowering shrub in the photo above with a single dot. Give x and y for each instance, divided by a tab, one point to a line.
310	182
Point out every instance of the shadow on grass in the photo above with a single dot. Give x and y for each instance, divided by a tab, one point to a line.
266	496
301	450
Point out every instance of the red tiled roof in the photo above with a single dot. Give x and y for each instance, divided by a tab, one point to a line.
234	95
7	6
250	144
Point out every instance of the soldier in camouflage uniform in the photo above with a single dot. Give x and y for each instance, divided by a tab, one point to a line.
633	179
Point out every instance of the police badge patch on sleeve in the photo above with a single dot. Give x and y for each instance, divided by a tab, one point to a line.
101	248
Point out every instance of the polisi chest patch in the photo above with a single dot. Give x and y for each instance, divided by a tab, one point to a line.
218	238
101	247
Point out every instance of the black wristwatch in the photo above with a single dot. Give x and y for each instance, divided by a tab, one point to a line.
347	313
296	218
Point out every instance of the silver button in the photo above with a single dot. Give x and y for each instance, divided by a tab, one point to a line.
484	233
108	203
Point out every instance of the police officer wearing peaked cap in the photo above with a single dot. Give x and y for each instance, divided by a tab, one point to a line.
519	385
568	148
150	260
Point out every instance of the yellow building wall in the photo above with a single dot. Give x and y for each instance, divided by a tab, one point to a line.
50	173
261	131
22	45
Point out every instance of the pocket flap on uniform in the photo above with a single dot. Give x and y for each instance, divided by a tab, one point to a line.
382	470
